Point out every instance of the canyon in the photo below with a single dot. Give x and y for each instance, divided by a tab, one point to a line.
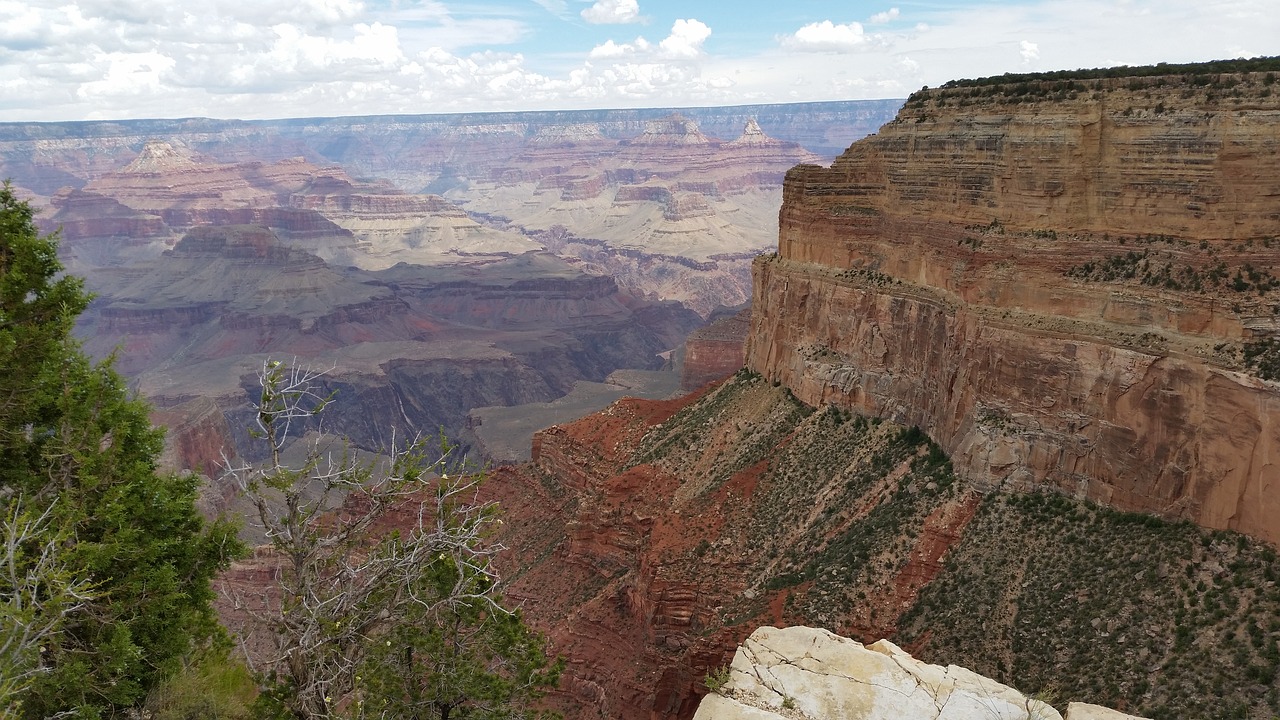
1007	396
438	264
1063	281
671	202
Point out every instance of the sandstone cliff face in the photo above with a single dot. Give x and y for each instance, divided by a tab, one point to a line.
714	351
1055	282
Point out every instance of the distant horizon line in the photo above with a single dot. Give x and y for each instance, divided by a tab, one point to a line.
464	113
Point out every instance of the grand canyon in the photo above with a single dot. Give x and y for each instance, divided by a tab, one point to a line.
994	383
438	265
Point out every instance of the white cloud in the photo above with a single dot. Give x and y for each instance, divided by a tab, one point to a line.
374	47
612	12
305	13
1029	51
281	58
881	18
684	43
827	36
685	40
610	49
127	75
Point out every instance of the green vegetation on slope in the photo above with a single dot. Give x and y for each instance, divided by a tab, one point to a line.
1040	591
866	488
686	436
1162	618
1211	82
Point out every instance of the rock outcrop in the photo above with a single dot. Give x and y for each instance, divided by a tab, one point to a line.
714	351
801	672
1059	280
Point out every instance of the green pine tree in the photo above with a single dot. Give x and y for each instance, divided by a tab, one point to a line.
127	538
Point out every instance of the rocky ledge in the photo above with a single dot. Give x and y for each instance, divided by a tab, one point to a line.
801	672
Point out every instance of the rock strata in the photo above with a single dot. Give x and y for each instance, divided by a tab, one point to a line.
714	351
1056	282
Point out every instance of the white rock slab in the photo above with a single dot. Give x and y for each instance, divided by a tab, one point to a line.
803	673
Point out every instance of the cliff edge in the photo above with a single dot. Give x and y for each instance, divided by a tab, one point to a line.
1066	282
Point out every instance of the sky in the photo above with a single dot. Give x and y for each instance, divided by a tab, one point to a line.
255	59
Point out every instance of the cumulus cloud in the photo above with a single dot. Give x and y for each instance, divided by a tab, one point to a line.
685	40
683	43
279	58
612	12
610	49
127	74
1029	51
881	18
374	48
827	36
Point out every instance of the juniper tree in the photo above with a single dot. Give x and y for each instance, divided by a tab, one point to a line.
124	560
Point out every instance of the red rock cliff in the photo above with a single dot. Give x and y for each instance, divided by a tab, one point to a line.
1056	280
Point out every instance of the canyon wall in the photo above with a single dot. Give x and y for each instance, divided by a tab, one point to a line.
650	539
1064	282
714	351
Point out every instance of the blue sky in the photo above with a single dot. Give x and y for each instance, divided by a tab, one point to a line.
113	59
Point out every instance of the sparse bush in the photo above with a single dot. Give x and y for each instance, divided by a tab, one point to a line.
717	678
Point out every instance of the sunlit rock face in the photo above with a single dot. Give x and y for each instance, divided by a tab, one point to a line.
1058	282
812	673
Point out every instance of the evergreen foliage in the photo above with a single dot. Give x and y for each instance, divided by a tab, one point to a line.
120	547
1259	64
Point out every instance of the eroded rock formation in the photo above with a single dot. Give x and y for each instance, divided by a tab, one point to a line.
409	348
650	539
1055	280
714	351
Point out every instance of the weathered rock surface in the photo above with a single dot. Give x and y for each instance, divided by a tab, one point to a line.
650	539
714	351
945	273
802	672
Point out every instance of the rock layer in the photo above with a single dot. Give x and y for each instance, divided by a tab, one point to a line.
411	347
714	351
649	540
944	273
